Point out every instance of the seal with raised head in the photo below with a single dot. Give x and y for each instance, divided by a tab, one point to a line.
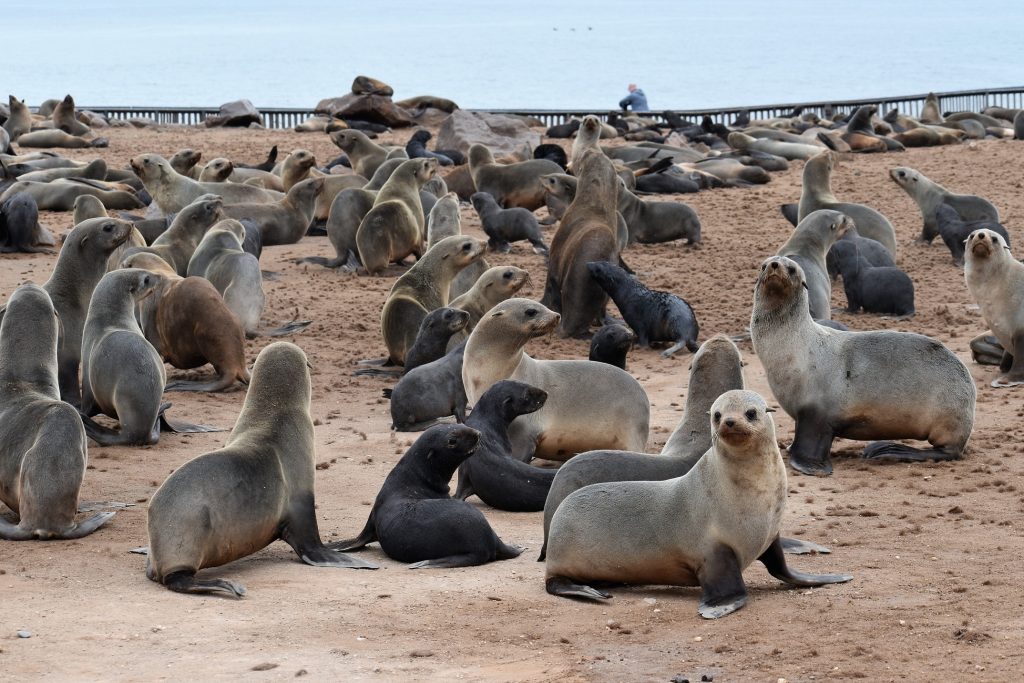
415	520
701	529
258	488
394	227
235	273
929	196
817	194
365	155
42	442
423	288
955	231
855	385
285	221
809	245
590	405
432	338
177	244
996	281
19	225
587	137
492	474
514	184
654	316
496	285
19	119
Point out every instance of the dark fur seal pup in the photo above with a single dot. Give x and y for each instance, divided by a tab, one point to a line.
507	225
417	147
653	316
492	474
19	221
563	131
552	153
872	251
429	392
432	339
701	529
265	165
610	345
227	504
415	520
955	231
875	289
856	385
671	180
42	442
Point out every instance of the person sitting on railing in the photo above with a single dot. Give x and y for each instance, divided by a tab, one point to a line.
635	99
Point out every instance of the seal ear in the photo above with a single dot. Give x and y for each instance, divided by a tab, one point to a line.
804	285
497	314
769	410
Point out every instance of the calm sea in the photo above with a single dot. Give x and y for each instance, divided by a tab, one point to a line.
527	53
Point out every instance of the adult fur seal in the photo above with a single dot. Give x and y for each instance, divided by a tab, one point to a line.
259	488
394	227
855	385
590	405
883	289
189	325
654	316
955	231
423	288
366	155
19	225
58	138
492	474
234	273
652	222
415	520
515	184
19	121
60	194
809	245
817	194
703	528
587	233
285	221
996	281
42	442
177	244
172	191
929	196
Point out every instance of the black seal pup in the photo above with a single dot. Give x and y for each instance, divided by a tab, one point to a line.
415	520
507	225
428	392
654	316
492	474
432	339
610	345
19	220
875	289
416	148
871	250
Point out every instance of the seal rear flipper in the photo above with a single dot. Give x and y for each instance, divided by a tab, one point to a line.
186	582
828	142
898	451
320	261
795	546
506	551
166	425
560	585
395	371
452	561
104	436
87	526
325	557
288	328
721	580
14	532
220	384
774	560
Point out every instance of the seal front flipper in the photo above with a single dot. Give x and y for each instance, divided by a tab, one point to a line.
166	425
299	530
288	328
774	560
465	487
721	580
898	451
809	452
1012	365
366	536
323	556
795	546
560	585
13	532
186	582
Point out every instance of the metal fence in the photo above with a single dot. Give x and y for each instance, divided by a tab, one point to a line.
911	105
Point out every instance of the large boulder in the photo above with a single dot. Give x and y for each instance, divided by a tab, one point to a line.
501	134
367	107
240	113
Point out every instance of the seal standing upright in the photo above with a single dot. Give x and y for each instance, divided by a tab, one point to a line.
229	503
808	245
701	529
929	196
42	442
996	281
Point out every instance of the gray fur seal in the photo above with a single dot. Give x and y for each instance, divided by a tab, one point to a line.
929	196
809	245
996	281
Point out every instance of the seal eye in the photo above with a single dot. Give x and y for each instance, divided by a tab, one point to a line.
751	415
466	246
764	267
108	227
531	312
507	275
791	270
718	417
452	442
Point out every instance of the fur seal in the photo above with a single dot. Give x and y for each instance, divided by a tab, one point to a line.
654	316
515	184
60	194
416	148
786	150
221	170
587	137
19	120
610	344
496	285
366	155
955	231
64	118
817	194
503	226
285	221
232	271
94	170
809	245
652	222
590	405
229	503
881	289
929	195
428	392
873	252
700	529
444	219
189	325
394	228
492	474
996	281
415	520
58	138
19	225
423	288
586	233
177	244
437	328
854	385
173	192
42	442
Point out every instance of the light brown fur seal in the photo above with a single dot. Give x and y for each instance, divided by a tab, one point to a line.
515	184
177	244
394	227
172	191
234	272
284	221
995	280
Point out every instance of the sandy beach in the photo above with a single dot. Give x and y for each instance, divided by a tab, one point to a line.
935	548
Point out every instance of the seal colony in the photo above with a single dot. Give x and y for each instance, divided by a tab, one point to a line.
528	395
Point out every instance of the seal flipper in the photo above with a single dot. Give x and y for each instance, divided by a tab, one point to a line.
791	212
898	451
289	327
986	350
560	585
14	532
795	546
163	424
86	527
774	560
464	489
366	536
186	582
809	452
1012	365
721	580
467	560
300	531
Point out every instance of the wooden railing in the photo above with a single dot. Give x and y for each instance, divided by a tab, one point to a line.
962	100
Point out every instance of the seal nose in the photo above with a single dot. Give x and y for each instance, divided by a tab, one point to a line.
775	265
730	422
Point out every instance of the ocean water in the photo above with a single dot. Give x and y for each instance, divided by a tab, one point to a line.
522	54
